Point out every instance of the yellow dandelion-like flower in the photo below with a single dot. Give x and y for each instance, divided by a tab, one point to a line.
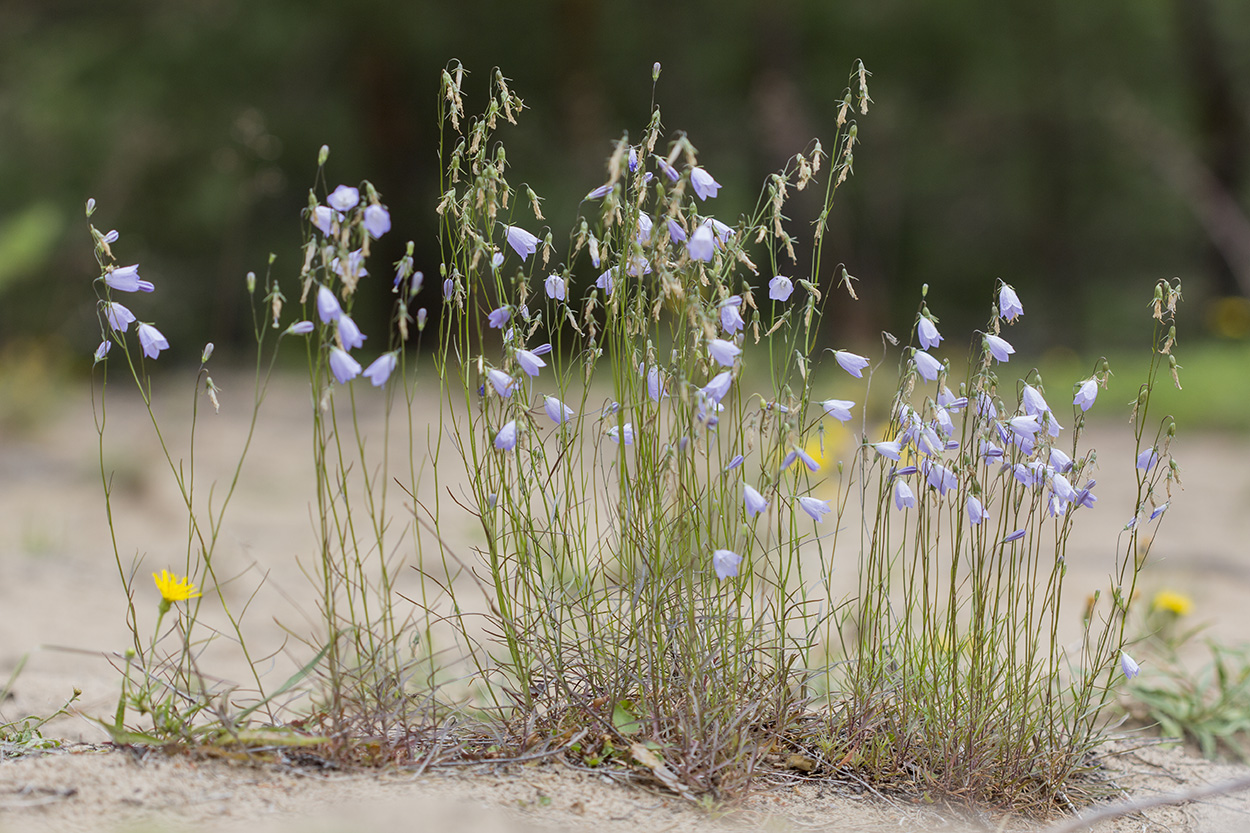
1172	602
174	589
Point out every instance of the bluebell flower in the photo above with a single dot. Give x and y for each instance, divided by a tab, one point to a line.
675	232
702	245
780	288
1147	459
505	440
999	348
593	245
735	462
343	366
327	305
556	410
1024	426
529	362
521	241
716	389
117	316
633	159
151	340
126	279
498	318
903	495
851	363
501	382
381	368
725	563
616	433
839	409
1060	461
730	317
353	269
891	449
949	401
1033	401
808	460
1009	303
301	328
667	169
496	260
753	500
377	221
704	186
928	367
927	333
1159	510
1129	666
1015	536
815	507
103	350
723	352
554	284
655	384
604	281
449	288
985	406
1086	395
326	220
600	192
941	478
344	198
976	512
349	333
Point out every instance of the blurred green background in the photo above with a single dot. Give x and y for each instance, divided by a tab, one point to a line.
1077	150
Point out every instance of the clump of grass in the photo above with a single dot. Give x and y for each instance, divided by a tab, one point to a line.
655	581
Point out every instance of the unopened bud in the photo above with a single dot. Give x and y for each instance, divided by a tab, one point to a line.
655	71
251	282
207	354
323	155
421	315
90	206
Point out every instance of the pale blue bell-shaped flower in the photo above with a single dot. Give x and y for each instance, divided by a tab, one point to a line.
1009	303
999	348
343	366
926	365
618	434
117	316
381	369
501	382
327	305
851	363
301	328
927	333
780	288
344	198
556	410
498	318
554	285
815	507
349	333
675	232
1129	666
716	389
730	316
505	440
723	352
521	241
529	362
753	500
126	279
1086	395
892	449
903	495
725	563
705	187
839	409
151	340
702	245
377	220
976	512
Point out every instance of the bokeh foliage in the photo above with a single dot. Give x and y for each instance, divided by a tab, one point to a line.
1049	143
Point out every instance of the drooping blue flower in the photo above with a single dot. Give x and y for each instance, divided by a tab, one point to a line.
851	363
354	269
1009	303
1024	426
1086	497
618	433
976	512
600	192
704	186
941	478
799	454
633	159
301	328
655	384
1159	510
1128	665
753	500
327	305
326	220
343	366
1060	461
1015	536
815	507
344	198
529	362
1147	459
926	365
1033	401
377	220
604	281
702	245
105	346
554	284
780	288
381	368
725	563
501	382
723	352
126	279
1086	395
505	440
667	169
716	389
927	333
730	316
999	348
892	449
644	229
839	409
949	401
675	232
349	333
498	318
903	496
556	410
521	241
117	316
151	340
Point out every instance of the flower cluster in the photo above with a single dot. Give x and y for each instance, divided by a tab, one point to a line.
116	318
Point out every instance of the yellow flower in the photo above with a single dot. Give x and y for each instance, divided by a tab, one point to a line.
174	589
1172	602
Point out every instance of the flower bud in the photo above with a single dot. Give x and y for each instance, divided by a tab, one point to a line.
655	71
323	155
90	206
251	283
207	354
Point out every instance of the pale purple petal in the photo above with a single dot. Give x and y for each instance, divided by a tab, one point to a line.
344	198
377	220
815	507
381	369
839	409
505	440
999	348
780	288
926	365
753	500
723	352
556	410
1009	303
152	341
343	366
521	241
725	563
349	333
327	305
701	245
704	186
1087	394
927	333
851	363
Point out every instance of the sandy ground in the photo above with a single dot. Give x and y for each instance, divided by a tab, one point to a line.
64	611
